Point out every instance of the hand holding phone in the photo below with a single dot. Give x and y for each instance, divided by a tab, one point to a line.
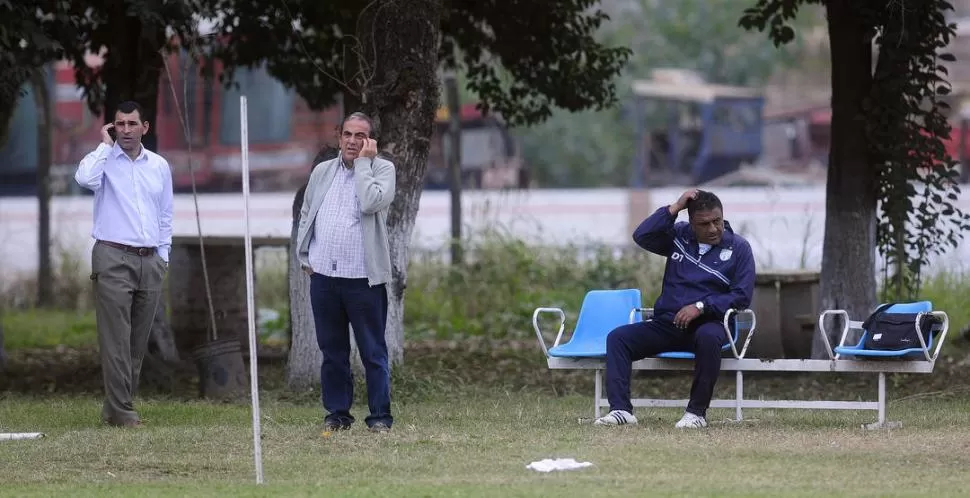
369	148
106	135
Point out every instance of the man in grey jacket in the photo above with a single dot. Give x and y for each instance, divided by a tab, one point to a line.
342	244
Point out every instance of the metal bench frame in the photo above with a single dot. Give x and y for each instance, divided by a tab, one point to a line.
739	364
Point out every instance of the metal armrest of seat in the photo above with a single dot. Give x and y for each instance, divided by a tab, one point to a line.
535	325
939	340
824	332
647	313
747	340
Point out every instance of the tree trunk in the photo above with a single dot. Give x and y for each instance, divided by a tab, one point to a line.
400	92
42	101
402	96
3	354
849	246
133	67
303	364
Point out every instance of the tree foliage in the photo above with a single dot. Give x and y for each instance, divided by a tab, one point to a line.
918	180
27	42
131	36
906	123
122	31
523	58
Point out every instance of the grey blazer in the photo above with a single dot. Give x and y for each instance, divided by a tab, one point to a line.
375	183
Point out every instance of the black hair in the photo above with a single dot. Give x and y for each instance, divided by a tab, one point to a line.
703	201
130	106
361	116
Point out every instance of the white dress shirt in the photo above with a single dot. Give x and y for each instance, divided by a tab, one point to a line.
337	245
132	198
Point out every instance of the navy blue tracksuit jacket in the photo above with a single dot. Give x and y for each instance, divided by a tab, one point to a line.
723	278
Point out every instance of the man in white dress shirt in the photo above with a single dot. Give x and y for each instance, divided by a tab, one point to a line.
133	231
342	243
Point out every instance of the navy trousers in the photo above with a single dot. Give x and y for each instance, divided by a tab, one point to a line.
336	303
628	343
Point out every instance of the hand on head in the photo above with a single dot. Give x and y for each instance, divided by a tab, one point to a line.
681	203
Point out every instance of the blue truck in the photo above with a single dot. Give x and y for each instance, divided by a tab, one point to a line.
690	132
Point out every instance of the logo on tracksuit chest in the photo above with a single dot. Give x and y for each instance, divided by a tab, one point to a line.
680	254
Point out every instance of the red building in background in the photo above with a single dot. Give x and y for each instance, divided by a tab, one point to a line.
284	135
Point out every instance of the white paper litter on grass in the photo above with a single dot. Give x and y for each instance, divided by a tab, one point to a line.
551	464
12	436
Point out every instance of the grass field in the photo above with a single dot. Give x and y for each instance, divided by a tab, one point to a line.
479	445
474	404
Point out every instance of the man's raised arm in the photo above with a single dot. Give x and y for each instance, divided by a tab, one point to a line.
656	233
91	168
375	186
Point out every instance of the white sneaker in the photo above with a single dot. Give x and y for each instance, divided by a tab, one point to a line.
617	417
691	421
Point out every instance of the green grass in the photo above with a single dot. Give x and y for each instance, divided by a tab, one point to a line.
492	296
438	306
949	292
33	328
478	445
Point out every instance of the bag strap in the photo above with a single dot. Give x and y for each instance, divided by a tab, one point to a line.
875	314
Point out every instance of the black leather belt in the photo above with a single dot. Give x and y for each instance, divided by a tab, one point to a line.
141	251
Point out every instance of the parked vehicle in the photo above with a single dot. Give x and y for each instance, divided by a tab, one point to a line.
692	132
489	155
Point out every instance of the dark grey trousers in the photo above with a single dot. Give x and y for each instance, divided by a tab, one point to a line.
127	288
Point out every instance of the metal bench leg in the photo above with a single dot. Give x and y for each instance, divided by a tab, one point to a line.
738	395
882	423
882	398
597	392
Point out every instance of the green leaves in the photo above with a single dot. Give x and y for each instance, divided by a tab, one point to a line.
775	17
27	42
523	58
906	126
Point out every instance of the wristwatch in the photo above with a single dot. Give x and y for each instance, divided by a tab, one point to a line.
700	306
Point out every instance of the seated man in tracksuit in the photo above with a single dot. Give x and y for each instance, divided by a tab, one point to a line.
709	270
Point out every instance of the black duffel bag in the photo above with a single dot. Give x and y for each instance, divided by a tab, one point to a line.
896	331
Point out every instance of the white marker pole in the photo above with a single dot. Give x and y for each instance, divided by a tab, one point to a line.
250	293
14	436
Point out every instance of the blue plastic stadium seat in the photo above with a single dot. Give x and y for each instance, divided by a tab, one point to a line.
687	355
601	312
859	349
